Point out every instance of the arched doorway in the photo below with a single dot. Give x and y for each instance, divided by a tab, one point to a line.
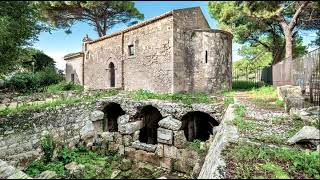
111	113
150	117
198	125
112	75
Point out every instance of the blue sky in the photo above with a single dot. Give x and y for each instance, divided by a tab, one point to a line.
58	43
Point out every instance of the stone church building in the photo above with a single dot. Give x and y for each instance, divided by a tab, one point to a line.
174	52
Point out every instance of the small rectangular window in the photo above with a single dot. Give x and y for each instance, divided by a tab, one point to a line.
131	50
206	57
72	78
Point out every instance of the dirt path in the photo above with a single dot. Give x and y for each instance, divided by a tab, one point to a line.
267	125
261	150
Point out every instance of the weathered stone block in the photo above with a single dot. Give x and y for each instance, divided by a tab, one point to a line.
96	115
127	140
123	119
170	151
159	150
97	125
130	128
140	155
180	139
165	136
293	102
107	136
307	133
170	123
87	131
166	163
144	146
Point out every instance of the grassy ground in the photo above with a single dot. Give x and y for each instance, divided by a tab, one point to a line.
252	161
262	151
265	97
186	98
56	102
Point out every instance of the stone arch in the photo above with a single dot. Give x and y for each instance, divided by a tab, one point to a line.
111	113
198	125
112	74
150	117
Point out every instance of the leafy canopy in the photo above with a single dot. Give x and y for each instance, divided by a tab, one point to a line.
102	15
19	27
279	21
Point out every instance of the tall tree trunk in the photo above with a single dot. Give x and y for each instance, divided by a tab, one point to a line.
99	29
288	28
289	42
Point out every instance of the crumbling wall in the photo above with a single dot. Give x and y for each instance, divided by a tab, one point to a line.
82	124
20	134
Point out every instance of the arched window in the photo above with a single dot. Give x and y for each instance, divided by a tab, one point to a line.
198	125
112	75
150	117
111	113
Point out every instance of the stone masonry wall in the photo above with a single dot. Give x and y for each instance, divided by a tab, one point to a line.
193	38
20	133
151	66
184	21
169	52
81	124
170	150
74	66
215	73
98	57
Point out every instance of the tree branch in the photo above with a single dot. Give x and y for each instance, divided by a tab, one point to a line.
293	21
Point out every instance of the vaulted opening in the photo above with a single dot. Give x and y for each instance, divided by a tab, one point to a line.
198	125
111	113
150	117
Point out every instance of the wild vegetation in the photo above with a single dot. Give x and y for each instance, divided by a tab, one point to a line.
56	102
186	98
251	161
91	160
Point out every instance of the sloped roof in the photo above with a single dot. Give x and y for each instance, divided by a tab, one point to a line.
72	55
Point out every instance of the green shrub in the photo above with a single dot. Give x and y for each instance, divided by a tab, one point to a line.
66	155
64	86
48	76
37	167
47	145
27	82
23	82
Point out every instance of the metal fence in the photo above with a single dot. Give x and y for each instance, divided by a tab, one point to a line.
303	71
254	76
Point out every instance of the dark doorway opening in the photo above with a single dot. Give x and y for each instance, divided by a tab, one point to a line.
111	113
198	125
150	117
112	75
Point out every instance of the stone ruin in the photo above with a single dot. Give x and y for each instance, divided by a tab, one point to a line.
151	131
154	131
